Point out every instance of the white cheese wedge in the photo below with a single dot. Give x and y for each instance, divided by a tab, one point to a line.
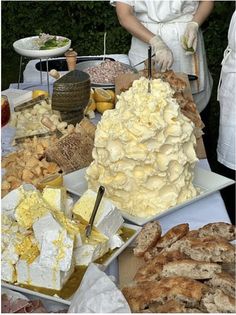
14	197
8	272
87	253
110	223
115	242
11	201
45	224
30	209
56	250
108	219
92	248
9	254
56	197
40	276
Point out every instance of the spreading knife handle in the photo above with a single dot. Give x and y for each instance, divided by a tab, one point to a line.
100	194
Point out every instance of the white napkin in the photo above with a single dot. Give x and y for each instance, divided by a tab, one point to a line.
98	294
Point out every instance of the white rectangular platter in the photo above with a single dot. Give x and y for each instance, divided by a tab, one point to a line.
103	266
208	182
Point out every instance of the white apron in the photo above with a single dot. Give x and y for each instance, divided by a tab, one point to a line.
227	98
169	19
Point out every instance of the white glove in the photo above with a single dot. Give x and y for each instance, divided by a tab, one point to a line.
163	54
189	39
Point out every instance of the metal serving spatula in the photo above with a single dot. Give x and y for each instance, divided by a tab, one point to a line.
88	228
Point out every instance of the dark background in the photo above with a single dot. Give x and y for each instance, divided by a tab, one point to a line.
85	22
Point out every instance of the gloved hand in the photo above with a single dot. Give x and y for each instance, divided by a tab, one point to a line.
189	39
163	54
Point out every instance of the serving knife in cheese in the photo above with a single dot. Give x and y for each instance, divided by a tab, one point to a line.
100	194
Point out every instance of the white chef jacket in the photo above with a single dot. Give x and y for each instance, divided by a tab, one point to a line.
227	99
168	19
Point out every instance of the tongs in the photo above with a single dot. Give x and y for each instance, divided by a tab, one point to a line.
88	228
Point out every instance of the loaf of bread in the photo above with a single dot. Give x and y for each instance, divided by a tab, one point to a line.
170	237
223	281
190	268
147	238
222	229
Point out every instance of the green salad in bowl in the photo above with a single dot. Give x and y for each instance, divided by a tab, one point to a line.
46	41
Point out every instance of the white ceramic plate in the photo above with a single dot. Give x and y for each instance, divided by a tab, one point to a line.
104	265
27	48
207	181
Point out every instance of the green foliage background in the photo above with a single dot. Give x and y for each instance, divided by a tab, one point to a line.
85	22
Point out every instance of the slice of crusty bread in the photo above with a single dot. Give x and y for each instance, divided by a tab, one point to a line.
212	249
182	289
152	269
147	238
222	229
170	237
217	302
190	268
223	281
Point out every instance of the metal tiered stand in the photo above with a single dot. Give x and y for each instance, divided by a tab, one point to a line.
25	48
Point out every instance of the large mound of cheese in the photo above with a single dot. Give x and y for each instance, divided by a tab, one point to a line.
144	151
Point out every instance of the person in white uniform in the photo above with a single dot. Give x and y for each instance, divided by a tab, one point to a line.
172	28
227	127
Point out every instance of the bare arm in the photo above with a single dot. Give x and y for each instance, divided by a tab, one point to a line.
204	10
129	21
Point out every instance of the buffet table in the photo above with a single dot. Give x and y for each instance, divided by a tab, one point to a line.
206	210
